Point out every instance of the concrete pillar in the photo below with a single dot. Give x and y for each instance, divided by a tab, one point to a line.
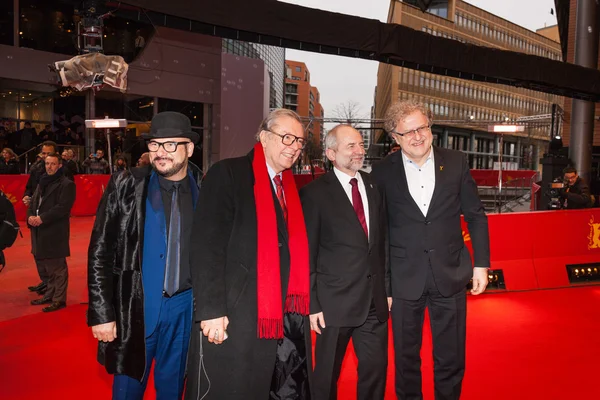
582	113
90	113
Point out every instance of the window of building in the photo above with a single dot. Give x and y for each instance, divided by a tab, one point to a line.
6	23
298	69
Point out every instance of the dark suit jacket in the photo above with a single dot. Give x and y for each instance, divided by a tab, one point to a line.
417	241
224	276
347	271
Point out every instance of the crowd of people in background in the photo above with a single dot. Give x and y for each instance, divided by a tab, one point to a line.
20	150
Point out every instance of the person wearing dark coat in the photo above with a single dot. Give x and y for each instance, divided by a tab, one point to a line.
7	214
426	190
139	285
576	194
9	163
48	218
38	169
251	337
69	162
347	230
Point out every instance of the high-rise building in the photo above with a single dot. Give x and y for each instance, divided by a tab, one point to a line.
305	99
466	102
274	59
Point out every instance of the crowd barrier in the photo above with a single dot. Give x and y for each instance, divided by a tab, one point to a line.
532	249
89	191
489	177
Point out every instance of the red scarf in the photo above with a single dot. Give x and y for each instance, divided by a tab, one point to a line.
270	315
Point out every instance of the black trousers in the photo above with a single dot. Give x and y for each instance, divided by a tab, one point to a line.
448	317
370	345
58	277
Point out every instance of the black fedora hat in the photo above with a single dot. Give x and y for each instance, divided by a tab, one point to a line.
171	124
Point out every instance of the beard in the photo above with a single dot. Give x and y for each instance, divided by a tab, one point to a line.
354	164
168	172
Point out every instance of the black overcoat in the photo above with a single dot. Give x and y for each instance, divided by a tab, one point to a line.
224	275
51	238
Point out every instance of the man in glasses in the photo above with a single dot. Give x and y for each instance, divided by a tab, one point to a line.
140	297
427	189
251	275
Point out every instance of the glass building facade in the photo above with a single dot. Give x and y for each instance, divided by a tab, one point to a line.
274	59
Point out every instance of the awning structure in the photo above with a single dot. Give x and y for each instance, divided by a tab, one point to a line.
302	28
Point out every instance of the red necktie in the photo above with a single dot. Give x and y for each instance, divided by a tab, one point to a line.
358	205
279	185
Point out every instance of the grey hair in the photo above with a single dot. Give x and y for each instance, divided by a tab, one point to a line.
331	137
268	123
402	109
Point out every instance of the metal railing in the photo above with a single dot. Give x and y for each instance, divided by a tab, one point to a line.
30	156
514	191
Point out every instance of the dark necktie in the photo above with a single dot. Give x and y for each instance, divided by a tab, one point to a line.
279	186
358	205
171	284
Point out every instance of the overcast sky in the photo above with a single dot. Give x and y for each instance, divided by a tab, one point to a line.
340	79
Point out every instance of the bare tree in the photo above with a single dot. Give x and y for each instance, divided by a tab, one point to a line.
349	112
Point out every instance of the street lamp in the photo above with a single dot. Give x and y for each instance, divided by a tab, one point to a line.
502	129
106	123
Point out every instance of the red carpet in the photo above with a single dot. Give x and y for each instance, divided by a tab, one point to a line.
528	345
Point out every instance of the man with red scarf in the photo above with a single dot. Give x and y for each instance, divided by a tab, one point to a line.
250	274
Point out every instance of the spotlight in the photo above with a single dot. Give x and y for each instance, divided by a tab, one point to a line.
585	273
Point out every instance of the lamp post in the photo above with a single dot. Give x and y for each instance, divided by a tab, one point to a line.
106	123
502	129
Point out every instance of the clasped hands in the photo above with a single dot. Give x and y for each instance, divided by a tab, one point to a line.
34	221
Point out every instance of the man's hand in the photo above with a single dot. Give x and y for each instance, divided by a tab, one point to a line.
105	332
26	200
389	304
317	321
215	329
480	280
34	221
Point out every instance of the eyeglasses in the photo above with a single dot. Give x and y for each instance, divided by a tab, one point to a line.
289	139
170	147
422	130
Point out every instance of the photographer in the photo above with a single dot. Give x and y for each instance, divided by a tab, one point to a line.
576	193
96	163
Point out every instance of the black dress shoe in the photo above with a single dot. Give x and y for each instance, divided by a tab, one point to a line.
41	292
57	305
39	302
39	286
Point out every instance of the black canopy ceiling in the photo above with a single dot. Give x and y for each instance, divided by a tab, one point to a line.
296	27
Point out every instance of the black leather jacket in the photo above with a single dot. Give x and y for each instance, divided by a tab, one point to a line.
114	269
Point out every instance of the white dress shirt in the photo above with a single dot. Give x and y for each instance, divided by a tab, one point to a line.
421	181
345	181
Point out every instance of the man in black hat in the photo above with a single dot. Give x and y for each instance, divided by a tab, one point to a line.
140	297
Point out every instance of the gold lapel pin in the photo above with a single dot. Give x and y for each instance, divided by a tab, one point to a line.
441	167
